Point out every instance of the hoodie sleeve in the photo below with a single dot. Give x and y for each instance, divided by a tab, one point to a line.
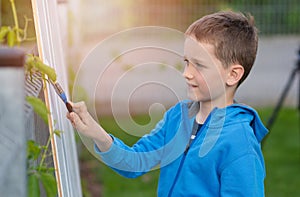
243	177
138	159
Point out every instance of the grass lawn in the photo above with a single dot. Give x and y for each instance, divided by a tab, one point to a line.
282	154
281	150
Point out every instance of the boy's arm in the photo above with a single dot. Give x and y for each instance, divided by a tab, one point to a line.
243	177
128	161
138	159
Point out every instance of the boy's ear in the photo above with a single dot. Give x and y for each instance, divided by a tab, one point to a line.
235	74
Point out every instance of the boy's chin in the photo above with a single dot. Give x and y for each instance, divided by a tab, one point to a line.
197	98
194	98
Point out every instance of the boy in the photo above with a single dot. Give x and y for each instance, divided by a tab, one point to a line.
208	146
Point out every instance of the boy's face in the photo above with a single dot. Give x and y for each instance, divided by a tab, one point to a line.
204	73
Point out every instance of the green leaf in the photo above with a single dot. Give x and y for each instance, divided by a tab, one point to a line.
33	150
29	63
49	183
49	170
39	107
33	189
57	132
45	169
3	32
45	69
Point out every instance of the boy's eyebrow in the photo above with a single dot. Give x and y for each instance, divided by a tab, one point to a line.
195	61
192	59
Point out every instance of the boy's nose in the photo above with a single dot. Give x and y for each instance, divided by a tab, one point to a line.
187	73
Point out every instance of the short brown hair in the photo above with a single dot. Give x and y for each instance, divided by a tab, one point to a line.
233	35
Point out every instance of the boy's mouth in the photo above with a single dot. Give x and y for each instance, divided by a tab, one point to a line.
192	85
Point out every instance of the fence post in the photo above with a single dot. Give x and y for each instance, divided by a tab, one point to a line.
12	131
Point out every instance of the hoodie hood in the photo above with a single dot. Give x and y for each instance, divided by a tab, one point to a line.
249	114
232	114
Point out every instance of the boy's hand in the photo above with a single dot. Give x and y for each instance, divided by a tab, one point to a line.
84	123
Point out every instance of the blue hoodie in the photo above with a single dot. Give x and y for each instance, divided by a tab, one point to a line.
224	159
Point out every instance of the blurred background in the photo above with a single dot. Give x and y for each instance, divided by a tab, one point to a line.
278	21
86	23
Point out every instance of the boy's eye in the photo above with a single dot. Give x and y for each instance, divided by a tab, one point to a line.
199	65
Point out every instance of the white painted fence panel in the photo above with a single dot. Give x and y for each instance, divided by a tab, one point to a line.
50	50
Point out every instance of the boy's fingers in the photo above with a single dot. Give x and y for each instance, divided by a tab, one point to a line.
79	107
77	122
68	116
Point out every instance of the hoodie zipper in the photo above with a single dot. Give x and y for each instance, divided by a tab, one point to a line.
181	164
177	174
185	154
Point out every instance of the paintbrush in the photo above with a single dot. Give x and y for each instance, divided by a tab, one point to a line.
61	93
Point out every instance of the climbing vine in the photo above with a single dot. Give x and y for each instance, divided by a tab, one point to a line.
38	169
